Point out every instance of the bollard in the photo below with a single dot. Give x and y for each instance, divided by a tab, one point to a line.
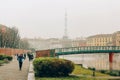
119	73
94	71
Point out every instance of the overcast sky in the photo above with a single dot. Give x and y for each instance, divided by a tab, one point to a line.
46	18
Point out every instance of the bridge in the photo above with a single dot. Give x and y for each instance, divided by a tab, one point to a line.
90	50
82	50
87	49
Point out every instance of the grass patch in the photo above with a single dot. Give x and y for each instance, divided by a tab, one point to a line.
59	78
3	61
82	71
68	78
80	74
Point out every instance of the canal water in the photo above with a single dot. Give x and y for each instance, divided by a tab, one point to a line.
98	60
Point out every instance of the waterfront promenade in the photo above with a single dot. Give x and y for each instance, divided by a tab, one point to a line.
11	70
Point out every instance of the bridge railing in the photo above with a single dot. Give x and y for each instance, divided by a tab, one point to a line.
88	49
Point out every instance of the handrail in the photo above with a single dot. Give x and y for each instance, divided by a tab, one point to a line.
87	49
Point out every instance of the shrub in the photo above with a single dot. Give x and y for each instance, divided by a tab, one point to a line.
103	71
9	58
52	67
91	68
2	57
114	73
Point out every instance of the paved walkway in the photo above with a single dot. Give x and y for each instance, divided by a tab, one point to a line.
11	70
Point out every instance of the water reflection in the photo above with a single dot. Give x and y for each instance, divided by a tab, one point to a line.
98	60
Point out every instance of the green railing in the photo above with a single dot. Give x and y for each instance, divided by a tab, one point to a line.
87	49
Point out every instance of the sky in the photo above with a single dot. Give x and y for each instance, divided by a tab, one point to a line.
46	18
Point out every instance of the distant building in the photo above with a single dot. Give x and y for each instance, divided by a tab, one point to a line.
104	39
78	42
42	44
116	38
99	40
38	44
51	43
65	42
54	43
95	40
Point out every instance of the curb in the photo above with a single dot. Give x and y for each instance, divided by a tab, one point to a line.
31	75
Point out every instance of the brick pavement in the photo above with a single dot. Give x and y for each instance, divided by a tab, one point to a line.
11	70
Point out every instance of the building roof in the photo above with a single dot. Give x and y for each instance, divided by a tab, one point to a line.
100	35
116	32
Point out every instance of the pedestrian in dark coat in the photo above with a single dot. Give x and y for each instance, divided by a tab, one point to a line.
20	59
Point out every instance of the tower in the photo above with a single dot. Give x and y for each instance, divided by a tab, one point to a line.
65	30
66	42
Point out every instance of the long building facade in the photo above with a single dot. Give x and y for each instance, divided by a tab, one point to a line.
104	40
99	40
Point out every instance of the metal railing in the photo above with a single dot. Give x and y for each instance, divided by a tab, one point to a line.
87	49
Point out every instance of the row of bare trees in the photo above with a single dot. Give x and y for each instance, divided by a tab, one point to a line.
10	38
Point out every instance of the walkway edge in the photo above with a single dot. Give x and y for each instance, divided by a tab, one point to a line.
31	75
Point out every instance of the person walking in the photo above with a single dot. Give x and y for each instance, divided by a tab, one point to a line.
30	56
20	59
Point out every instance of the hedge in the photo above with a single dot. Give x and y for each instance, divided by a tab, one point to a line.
52	67
2	57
